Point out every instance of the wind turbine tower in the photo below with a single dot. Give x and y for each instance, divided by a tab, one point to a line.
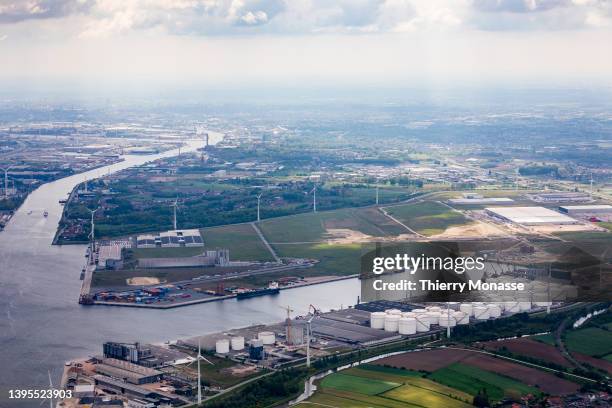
376	192
591	185
258	202
6	170
175	204
314	199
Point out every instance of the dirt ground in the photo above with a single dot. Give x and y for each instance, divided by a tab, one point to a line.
432	360
549	229
142	281
530	348
475	230
546	382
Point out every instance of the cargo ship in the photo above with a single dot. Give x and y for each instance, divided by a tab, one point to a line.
273	289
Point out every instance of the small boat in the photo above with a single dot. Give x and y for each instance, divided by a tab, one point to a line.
30	212
46	214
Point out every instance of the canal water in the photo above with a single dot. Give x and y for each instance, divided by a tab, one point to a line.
42	325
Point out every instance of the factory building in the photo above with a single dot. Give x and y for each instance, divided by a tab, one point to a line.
256	349
585	210
171	239
131	352
218	257
129	372
530	215
560	197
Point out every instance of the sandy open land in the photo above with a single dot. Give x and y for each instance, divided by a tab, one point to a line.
142	281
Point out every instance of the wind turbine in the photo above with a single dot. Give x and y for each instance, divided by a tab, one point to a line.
175	204
50	387
6	170
591	185
200	357
376	192
92	234
258	202
314	198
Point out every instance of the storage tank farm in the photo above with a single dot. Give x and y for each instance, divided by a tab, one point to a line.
447	315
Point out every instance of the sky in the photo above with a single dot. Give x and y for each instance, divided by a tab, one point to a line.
265	43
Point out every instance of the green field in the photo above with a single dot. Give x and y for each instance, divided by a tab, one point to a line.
472	379
545	338
334	259
241	239
359	385
591	341
424	397
427	218
313	227
376	386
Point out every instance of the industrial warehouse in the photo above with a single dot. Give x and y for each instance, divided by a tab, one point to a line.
530	215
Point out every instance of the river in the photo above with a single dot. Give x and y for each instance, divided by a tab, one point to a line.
42	325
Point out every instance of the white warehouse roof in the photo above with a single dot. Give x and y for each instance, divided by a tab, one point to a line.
530	215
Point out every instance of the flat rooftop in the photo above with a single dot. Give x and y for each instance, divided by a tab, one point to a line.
530	215
587	207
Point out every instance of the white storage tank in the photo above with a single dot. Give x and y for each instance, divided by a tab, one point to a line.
422	323
267	337
433	308
481	312
237	343
222	346
409	314
524	305
393	312
494	310
377	320
512	306
392	322
466	308
461	317
453	305
434	317
447	321
407	325
543	304
418	311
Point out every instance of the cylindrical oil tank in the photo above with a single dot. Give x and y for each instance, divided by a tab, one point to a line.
237	343
422	322
407	325
392	323
393	312
543	304
447	321
494	310
433	308
377	320
461	317
453	305
409	314
467	309
524	305
222	346
434	317
481	312
417	311
268	337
